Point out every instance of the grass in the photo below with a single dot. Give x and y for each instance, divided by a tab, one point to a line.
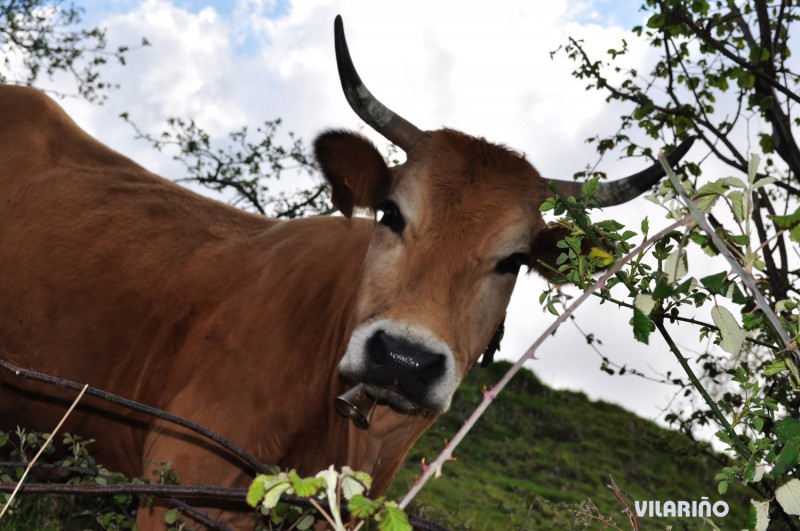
538	454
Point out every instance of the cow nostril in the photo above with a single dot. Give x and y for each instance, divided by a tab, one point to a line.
377	348
396	361
432	369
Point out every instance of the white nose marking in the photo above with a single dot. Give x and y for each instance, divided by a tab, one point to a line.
354	362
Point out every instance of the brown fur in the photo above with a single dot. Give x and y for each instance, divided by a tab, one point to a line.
115	277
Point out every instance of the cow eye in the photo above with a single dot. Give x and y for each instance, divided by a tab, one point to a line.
391	216
512	264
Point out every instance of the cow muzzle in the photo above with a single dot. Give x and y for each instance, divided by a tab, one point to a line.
405	366
402	366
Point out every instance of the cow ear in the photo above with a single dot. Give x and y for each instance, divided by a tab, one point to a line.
546	250
355	169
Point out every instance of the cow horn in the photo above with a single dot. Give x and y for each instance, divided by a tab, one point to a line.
385	121
357	406
622	190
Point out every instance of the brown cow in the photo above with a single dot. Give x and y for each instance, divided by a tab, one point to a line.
113	276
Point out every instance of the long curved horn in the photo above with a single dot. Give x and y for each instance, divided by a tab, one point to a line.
622	190
391	125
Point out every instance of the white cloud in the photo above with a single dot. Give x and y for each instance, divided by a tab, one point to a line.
484	70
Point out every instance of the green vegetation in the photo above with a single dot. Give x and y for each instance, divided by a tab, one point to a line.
538	454
67	460
531	462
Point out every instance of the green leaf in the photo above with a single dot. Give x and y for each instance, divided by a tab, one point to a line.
256	491
305	487
547	204
171	516
304	523
268	488
655	21
752	167
737	203
362	507
643	110
788	221
787	458
733	182
675	266
706	202
750	469
767	142
764	181
786	429
732	335
641	326
715	284
712	188
644	302
273	495
354	482
663	290
788	496
736	295
589	187
794	234
392	518
775	368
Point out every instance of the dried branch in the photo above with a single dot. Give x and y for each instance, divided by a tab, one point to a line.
621	497
236	450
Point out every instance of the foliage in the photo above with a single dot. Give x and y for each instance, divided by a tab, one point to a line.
70	462
67	462
329	486
540	459
724	75
244	167
45	37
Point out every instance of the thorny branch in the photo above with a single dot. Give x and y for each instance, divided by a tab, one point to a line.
489	396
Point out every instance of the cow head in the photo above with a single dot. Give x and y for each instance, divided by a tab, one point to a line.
456	223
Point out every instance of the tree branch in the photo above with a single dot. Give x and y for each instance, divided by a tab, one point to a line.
236	450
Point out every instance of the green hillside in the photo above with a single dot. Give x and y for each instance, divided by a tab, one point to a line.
537	455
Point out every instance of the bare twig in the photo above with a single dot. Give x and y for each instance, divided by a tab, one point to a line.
621	497
324	514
